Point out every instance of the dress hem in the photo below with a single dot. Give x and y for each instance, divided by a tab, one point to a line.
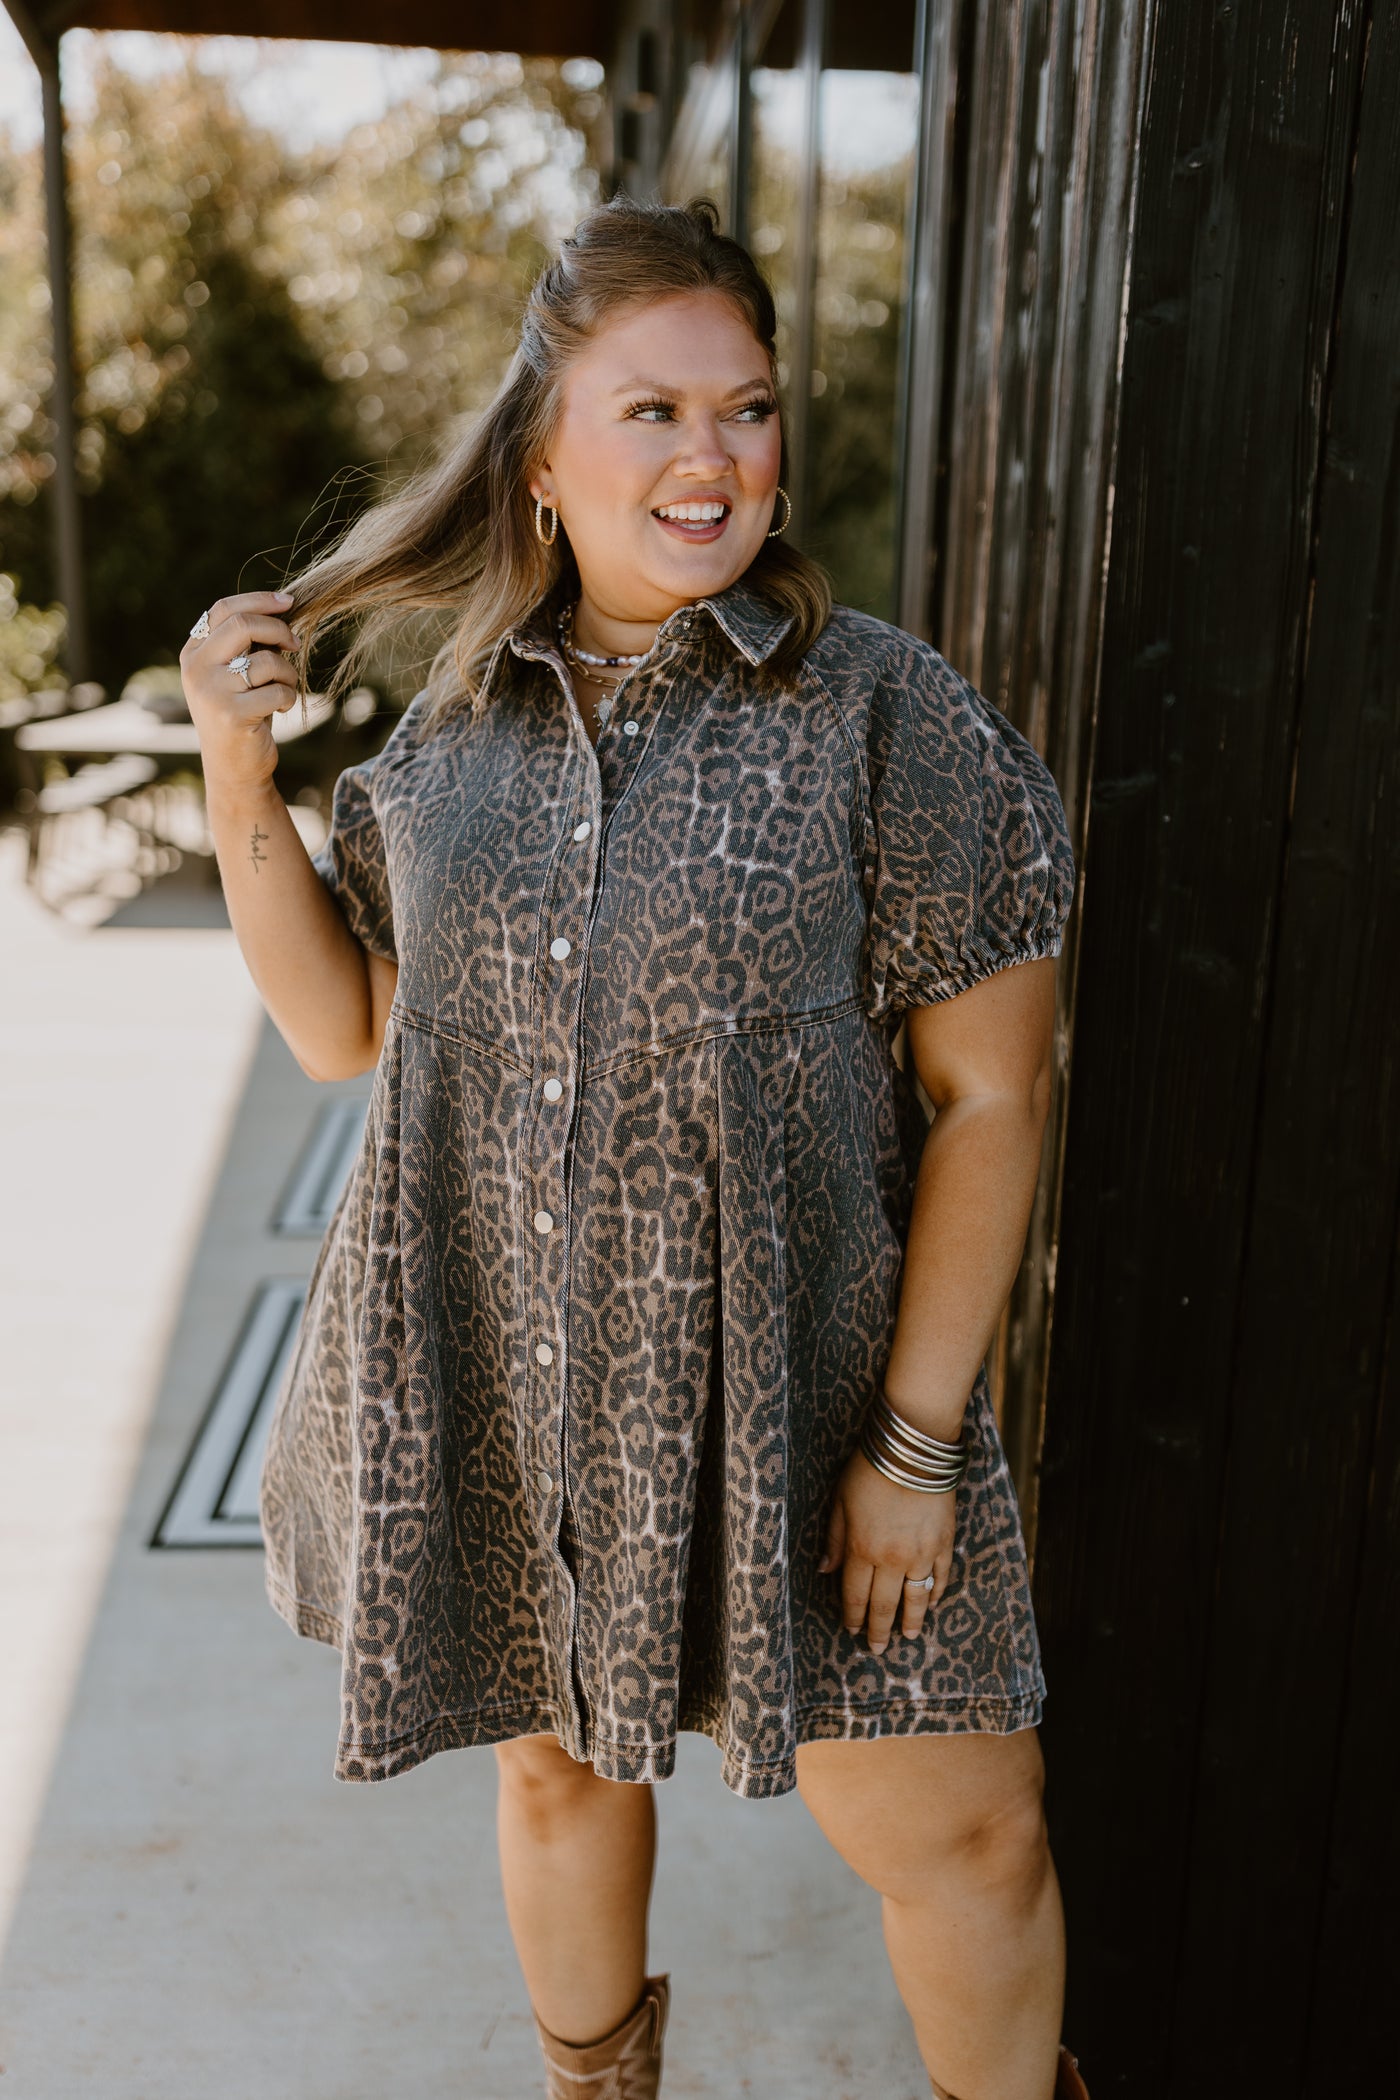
752	1779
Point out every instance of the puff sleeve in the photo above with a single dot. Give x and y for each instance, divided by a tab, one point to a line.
353	863
974	868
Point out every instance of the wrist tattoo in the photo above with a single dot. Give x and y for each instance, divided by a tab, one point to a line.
255	855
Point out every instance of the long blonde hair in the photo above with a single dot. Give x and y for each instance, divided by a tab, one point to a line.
460	534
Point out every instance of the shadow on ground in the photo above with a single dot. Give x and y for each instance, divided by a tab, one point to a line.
191	895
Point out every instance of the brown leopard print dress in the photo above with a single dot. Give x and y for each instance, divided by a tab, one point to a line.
605	1298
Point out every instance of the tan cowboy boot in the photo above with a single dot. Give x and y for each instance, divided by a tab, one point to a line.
624	2065
1068	2083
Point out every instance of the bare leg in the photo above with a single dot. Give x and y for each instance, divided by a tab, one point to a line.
577	1854
950	1830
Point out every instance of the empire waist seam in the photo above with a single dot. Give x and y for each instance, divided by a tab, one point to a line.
636	1053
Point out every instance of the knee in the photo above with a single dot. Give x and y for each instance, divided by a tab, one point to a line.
995	1842
544	1786
1006	1846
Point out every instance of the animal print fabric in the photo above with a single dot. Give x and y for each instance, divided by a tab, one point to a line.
593	1329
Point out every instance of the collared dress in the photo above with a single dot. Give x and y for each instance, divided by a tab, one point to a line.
614	1278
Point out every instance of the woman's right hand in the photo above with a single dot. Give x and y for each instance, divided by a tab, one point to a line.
235	721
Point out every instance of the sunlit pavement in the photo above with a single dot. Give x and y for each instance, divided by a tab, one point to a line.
122	1054
196	1908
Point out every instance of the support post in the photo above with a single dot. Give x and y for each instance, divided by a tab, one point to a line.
67	523
813	56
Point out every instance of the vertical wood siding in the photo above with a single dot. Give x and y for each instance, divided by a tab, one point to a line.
1218	1492
1151	507
1045	199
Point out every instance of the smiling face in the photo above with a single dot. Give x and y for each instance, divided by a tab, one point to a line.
664	462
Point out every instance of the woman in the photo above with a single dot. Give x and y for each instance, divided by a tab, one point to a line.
640	1382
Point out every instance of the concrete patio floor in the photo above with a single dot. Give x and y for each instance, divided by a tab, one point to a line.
195	1907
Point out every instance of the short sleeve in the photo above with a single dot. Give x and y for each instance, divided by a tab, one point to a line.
353	863
974	866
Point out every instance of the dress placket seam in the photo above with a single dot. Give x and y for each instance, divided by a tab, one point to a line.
585	1720
582	1723
657	693
557	1450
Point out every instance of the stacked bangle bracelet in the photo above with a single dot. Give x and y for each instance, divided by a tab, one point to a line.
909	1456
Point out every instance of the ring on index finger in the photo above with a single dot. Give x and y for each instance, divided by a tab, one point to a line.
200	630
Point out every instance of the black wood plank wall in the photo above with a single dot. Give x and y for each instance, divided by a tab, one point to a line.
1048	103
1162	470
1219	1519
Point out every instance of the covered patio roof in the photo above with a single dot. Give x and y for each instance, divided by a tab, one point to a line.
549	28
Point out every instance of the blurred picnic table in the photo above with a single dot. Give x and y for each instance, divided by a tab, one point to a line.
78	757
128	727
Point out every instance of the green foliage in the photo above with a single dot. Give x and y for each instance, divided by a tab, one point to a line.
859	307
858	313
266	339
25	364
209	490
30	641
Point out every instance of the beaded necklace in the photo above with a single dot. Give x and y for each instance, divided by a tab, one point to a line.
587	666
586	655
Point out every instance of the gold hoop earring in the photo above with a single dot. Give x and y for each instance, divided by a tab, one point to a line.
778	530
545	541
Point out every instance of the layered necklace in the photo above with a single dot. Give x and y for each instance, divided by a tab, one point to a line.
605	673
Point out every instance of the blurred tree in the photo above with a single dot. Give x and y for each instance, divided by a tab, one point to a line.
409	249
853	433
203	491
25	365
267	339
30	640
858	313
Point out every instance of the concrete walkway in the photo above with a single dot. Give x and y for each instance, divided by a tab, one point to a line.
199	1909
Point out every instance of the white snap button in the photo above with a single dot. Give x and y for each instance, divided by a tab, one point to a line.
543	1353
545	1479
630	728
552	1090
560	948
543	1221
582	830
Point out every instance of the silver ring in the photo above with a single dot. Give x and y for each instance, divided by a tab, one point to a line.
200	630
914	1582
240	664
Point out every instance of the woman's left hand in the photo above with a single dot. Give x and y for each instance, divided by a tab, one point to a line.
877	1533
